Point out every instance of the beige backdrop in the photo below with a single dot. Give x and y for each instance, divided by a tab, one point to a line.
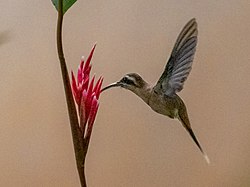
131	145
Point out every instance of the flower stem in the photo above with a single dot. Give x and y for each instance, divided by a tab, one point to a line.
79	148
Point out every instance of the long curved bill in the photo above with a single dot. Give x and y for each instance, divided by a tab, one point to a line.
116	84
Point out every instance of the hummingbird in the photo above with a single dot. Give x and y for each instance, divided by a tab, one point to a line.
162	97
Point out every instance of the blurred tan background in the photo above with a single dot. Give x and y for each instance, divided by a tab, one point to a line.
130	145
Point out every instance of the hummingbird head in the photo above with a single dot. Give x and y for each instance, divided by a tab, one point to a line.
131	81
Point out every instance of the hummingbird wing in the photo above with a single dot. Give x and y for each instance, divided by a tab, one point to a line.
179	64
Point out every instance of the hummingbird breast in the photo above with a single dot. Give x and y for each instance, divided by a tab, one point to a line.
164	105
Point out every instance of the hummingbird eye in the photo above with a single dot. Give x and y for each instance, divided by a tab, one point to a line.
128	81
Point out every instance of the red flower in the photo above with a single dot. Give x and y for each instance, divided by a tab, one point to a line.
86	94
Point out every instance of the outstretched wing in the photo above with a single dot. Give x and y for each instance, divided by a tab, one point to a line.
180	62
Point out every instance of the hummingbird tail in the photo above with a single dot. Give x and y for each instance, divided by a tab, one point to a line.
198	144
185	122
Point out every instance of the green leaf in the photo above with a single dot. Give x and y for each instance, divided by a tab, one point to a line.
66	4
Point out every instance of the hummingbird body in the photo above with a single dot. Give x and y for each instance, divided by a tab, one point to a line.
162	97
168	106
160	103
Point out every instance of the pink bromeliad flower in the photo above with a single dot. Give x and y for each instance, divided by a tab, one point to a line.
86	94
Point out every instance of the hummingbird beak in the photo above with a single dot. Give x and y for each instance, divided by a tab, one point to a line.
115	84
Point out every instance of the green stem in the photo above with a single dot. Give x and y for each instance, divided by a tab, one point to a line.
79	148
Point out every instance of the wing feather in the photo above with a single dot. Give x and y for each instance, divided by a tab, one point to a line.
180	62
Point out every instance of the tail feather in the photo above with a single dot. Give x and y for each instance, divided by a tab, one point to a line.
183	117
198	144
